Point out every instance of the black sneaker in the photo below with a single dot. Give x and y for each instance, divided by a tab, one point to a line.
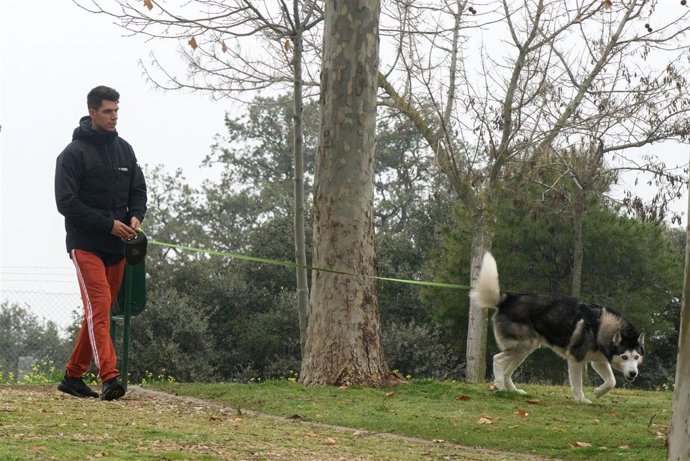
76	387
112	389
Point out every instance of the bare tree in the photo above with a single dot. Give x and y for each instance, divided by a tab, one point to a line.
344	341
678	440
494	86
234	49
579	175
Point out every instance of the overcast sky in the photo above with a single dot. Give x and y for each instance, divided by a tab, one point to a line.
51	54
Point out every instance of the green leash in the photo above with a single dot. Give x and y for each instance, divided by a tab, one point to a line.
294	265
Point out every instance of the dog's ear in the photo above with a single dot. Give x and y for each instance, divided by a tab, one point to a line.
640	340
617	338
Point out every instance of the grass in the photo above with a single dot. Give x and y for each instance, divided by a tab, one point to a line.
37	422
624	424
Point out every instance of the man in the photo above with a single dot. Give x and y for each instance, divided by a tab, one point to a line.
101	191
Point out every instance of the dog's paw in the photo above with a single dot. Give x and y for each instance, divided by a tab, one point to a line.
584	400
601	390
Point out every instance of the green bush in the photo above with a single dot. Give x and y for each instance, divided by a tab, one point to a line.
170	338
421	351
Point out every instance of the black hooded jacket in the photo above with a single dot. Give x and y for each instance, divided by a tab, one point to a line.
98	181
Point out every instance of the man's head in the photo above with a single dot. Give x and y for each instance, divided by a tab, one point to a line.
102	102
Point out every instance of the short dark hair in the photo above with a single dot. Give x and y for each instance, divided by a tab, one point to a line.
97	95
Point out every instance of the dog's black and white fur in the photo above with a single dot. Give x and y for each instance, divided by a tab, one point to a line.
578	331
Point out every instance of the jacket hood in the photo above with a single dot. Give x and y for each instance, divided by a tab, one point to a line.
87	133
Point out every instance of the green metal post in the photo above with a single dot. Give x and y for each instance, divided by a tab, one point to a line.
124	372
130	302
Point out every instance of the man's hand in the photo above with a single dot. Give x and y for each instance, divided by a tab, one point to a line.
134	223
122	230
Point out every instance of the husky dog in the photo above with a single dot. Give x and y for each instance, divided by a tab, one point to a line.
578	331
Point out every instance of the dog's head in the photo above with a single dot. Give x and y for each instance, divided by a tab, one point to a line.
628	353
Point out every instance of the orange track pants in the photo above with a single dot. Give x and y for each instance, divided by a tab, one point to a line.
99	286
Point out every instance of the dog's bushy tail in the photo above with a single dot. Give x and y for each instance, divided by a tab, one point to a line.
486	291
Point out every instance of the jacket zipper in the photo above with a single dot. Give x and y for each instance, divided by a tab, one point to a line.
112	176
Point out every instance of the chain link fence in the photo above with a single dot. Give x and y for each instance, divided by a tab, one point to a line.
56	307
39	308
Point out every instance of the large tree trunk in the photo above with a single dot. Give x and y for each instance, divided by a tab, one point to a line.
298	154
484	222
343	336
679	431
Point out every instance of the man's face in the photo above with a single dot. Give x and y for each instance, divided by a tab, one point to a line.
105	117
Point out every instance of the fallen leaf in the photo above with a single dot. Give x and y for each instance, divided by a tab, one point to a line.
329	441
192	43
583	444
390	394
215	418
624	447
532	401
484	420
148	4
101	454
438	441
295	416
521	412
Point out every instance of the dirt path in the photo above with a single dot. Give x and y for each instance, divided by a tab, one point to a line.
455	451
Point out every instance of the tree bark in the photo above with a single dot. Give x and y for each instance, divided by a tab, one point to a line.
679	431
343	344
578	210
484	222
